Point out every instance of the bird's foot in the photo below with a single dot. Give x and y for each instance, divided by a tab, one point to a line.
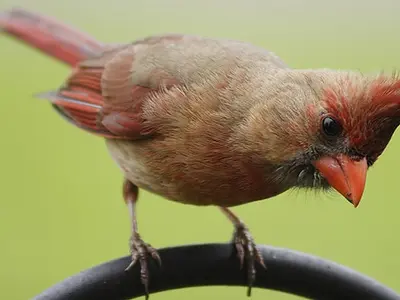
140	251
247	249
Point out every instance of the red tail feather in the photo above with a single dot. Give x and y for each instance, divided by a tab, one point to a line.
50	36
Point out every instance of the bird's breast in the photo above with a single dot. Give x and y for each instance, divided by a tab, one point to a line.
193	176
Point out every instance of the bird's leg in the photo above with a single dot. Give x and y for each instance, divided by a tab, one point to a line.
245	247
139	249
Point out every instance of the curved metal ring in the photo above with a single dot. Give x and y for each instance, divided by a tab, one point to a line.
215	264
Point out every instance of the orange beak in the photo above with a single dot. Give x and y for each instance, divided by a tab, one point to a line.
345	175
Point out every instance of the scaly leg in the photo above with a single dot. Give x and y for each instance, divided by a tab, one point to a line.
245	247
139	249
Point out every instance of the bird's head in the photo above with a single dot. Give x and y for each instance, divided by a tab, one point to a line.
328	127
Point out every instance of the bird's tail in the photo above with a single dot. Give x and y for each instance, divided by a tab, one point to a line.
52	37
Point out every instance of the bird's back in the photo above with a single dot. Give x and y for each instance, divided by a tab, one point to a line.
190	59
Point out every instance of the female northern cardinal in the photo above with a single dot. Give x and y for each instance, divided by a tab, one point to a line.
216	122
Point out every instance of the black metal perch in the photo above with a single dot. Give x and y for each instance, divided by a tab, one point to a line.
214	264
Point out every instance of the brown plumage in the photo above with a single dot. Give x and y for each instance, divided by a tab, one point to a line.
207	121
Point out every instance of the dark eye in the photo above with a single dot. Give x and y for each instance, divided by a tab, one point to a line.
331	127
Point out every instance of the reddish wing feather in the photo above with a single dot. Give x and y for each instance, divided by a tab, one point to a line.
80	101
106	81
122	114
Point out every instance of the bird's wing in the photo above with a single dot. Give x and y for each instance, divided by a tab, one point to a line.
106	94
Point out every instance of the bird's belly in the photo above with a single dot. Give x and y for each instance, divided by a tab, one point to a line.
203	184
128	158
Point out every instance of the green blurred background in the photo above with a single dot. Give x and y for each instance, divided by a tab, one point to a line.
61	204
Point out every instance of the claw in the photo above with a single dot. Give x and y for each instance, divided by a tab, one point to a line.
133	262
154	254
139	252
240	252
246	248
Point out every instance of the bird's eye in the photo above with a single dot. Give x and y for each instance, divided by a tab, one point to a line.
331	127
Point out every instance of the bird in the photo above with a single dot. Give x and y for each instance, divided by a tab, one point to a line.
215	122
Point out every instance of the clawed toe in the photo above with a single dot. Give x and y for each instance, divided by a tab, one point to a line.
140	252
247	250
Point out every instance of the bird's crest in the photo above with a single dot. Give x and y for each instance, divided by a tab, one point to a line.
364	105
